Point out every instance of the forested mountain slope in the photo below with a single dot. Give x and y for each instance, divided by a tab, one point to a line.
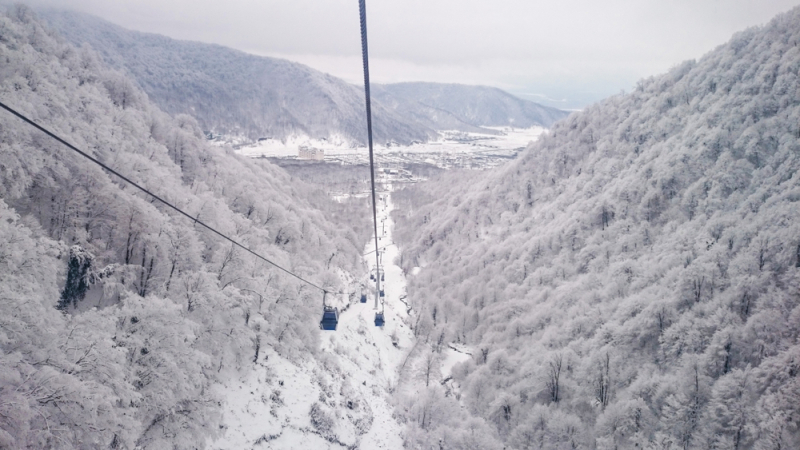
460	107
233	92
116	314
631	281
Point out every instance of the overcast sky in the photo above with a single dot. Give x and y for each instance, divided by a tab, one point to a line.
565	53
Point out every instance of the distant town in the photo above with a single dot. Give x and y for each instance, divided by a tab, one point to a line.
455	150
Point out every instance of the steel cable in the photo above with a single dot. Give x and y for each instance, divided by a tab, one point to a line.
170	205
365	57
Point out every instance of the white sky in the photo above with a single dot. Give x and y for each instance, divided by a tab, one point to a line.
565	53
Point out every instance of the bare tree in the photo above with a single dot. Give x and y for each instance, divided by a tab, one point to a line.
430	366
603	382
554	377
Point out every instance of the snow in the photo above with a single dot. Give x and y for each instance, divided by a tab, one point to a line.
289	147
250	410
382	358
451	141
453	355
269	406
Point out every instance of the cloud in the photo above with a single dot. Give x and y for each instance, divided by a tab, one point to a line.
517	43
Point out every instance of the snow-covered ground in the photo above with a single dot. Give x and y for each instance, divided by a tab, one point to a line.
340	400
453	355
287	147
506	139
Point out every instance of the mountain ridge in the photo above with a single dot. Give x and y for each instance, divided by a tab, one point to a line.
273	97
474	106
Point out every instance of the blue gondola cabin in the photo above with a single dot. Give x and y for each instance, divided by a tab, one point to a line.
379	322
330	318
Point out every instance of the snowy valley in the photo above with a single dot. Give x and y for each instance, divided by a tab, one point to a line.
248	97
125	325
622	277
343	398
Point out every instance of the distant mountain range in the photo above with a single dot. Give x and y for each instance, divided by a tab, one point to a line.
460	107
232	92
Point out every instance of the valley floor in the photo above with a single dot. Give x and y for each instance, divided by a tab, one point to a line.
453	150
340	400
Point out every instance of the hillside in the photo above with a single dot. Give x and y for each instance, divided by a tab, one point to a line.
467	108
232	92
631	280
125	325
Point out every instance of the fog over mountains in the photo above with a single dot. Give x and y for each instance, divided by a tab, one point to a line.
232	92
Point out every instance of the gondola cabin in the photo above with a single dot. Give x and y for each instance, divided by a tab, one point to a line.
379	322
363	298
382	294
330	318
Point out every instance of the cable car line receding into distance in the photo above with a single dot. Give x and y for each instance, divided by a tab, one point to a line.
362	9
330	314
156	197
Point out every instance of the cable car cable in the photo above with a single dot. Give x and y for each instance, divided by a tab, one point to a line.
362	9
180	211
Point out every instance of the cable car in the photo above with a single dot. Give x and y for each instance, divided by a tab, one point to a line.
382	294
330	318
363	297
379	321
